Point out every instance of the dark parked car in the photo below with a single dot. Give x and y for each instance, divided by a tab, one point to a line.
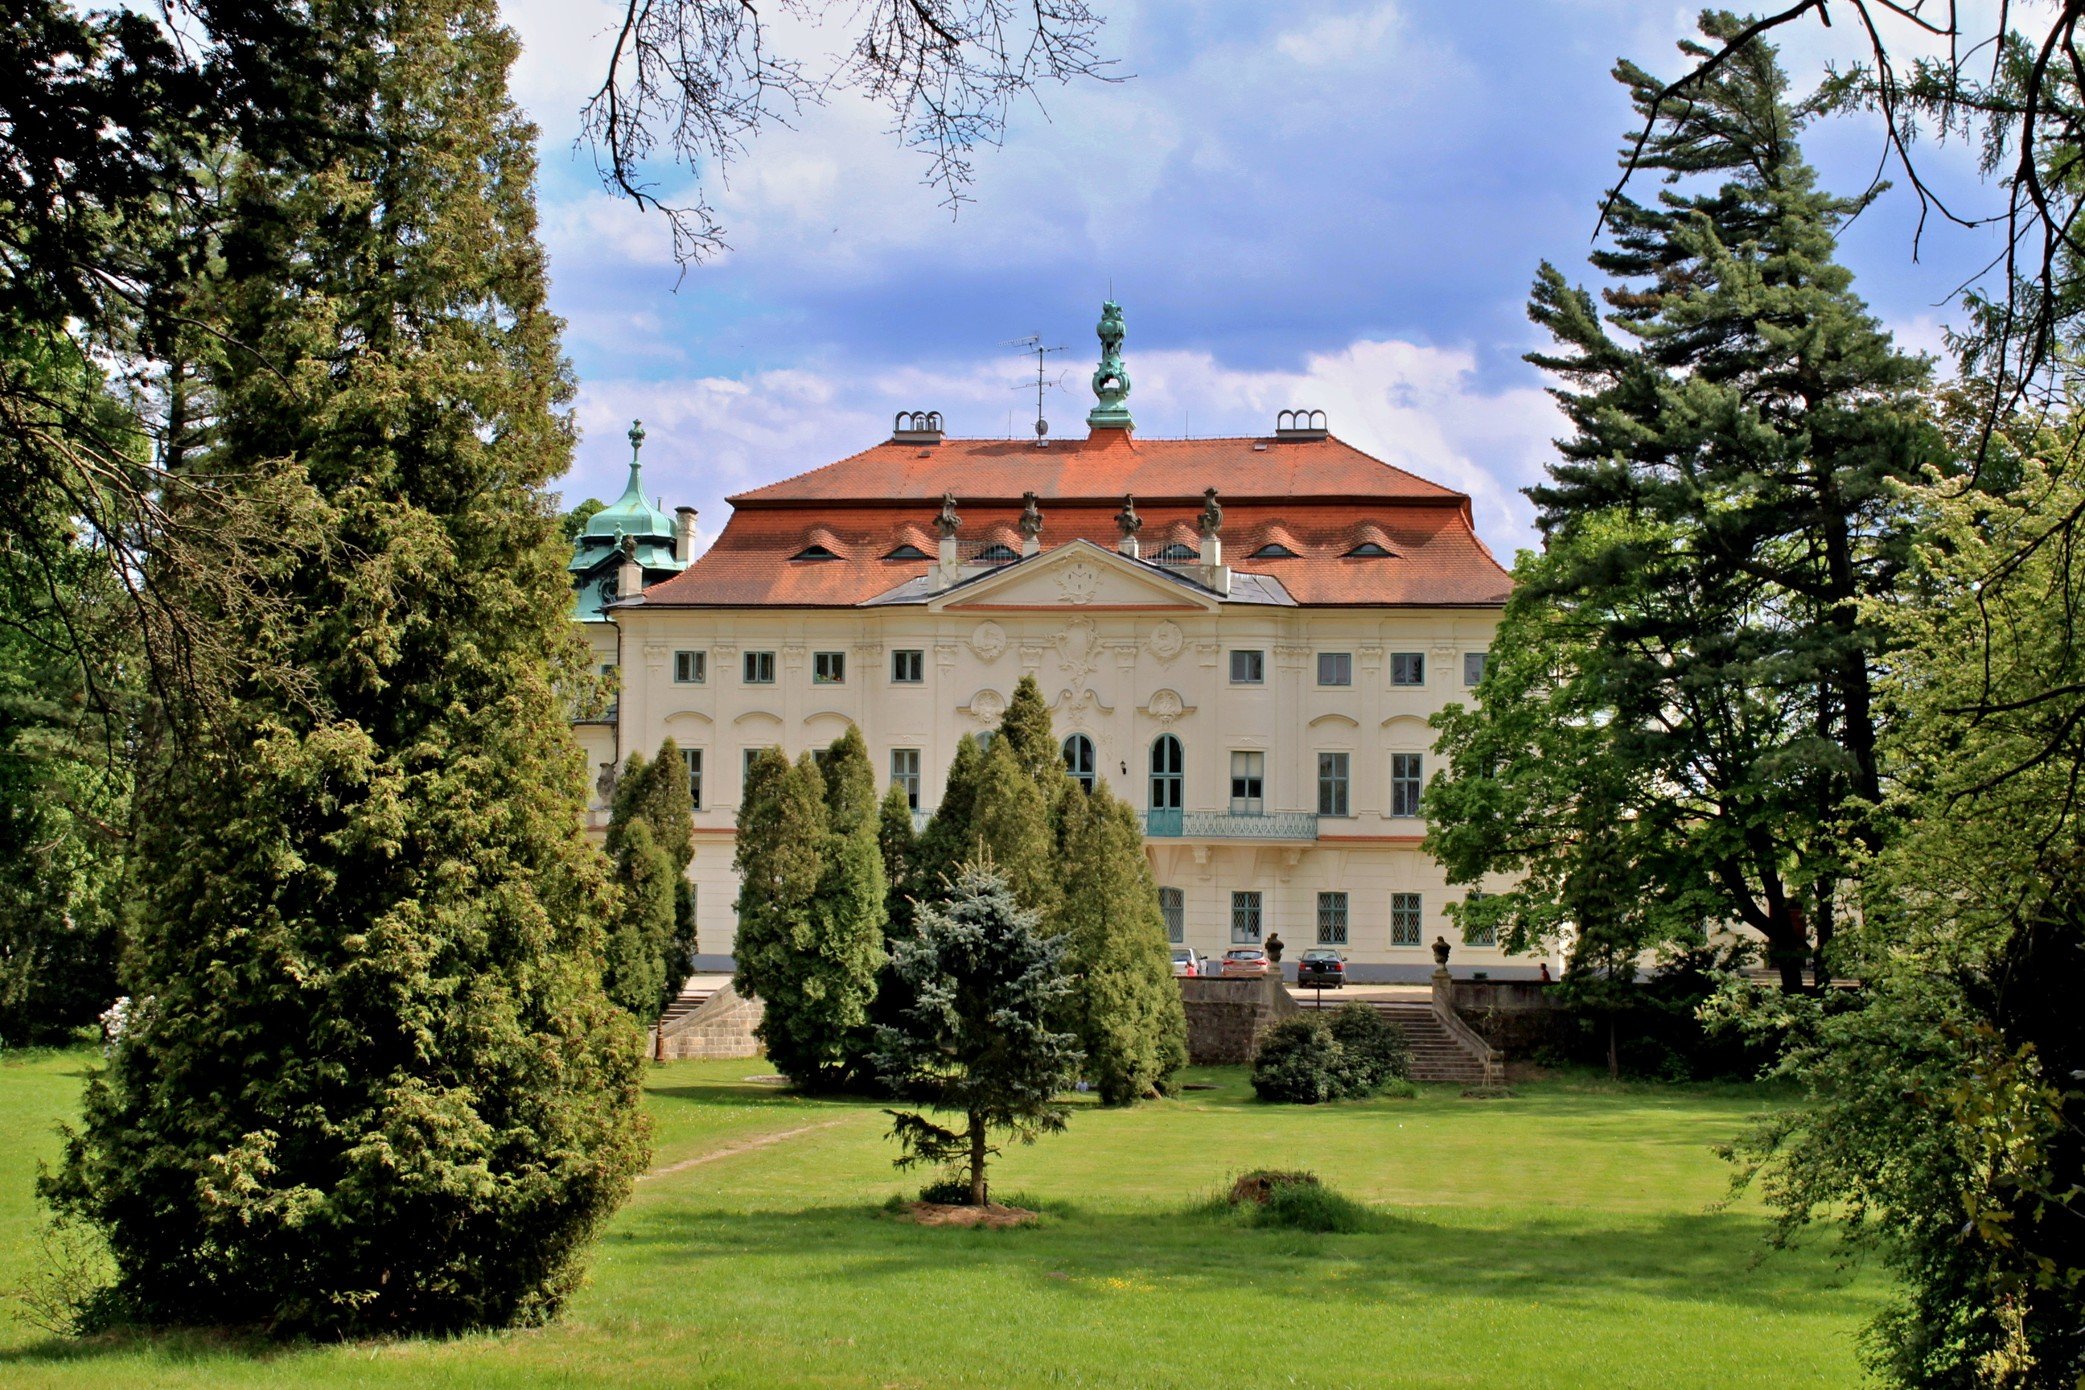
1321	969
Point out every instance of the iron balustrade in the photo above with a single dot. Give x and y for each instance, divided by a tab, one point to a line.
1228	825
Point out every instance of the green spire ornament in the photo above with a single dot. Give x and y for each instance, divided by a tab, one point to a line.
1111	378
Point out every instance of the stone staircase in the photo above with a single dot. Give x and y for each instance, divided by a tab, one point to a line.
707	1023
1439	1054
687	1002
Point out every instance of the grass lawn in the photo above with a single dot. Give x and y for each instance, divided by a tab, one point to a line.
1560	1238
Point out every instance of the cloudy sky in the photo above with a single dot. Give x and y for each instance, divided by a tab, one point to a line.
1328	203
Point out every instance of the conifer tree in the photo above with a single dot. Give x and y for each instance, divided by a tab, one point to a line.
900	848
653	935
1026	728
372	1083
1011	819
850	782
1126	1007
978	1039
950	838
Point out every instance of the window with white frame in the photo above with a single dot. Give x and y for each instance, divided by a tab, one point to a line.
1407	781
904	772
759	668
1245	918
1332	919
1078	760
692	757
690	668
1335	668
1473	666
908	666
1408	668
1248	783
1407	913
1172	903
828	668
1248	668
1332	784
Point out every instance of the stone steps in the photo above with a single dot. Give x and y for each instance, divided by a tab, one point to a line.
1437	1054
685	1003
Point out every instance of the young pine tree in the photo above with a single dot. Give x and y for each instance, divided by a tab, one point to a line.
373	1084
1126	1007
978	1039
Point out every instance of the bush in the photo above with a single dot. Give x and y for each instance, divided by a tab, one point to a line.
1307	1059
1375	1048
947	1192
1299	1062
1296	1202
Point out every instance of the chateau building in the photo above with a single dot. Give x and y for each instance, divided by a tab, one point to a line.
1244	637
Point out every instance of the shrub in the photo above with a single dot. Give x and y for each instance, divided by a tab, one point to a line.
1299	1062
1375	1048
1296	1202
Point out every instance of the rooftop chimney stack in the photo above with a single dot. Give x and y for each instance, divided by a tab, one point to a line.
1300	424
916	427
684	534
629	576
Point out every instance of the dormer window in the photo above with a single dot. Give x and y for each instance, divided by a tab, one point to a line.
997	554
1273	550
907	551
1367	550
814	552
1177	553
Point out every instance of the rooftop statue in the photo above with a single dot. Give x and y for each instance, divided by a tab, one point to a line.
947	522
1127	518
1111	378
1212	513
1031	522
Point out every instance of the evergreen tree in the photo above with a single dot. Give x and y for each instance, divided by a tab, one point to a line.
1126	1008
655	792
950	839
978	1040
372	1082
900	857
850	782
1011	819
1026	729
641	931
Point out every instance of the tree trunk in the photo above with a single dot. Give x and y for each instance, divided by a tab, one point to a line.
977	1158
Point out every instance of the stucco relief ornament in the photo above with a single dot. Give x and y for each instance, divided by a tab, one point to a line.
988	641
1167	641
1078	582
946	522
1165	706
1031	522
1078	650
987	706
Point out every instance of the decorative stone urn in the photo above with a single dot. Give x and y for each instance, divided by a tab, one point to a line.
1440	951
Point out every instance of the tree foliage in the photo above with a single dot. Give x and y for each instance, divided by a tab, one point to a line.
372	1082
1011	821
652	937
977	1039
950	838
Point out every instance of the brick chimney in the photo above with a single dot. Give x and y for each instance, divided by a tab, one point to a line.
684	534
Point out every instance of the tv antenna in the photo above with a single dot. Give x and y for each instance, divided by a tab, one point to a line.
1034	343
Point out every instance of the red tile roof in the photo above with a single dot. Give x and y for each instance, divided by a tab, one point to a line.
1320	498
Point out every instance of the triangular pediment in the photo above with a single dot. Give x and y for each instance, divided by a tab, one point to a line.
1078	576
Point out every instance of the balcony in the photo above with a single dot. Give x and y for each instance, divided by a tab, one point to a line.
1229	825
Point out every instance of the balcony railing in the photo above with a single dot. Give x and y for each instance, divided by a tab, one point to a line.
1227	825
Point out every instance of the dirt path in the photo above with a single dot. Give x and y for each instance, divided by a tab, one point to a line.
737	1147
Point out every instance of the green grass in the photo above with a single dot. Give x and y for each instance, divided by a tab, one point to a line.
1558	1238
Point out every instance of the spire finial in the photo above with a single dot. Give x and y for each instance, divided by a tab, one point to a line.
636	438
1111	378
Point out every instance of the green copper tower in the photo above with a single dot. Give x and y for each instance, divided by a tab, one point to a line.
1111	378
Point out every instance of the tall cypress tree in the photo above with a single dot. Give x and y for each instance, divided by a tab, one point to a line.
1126	1009
1011	818
1026	728
373	1082
900	848
653	935
950	839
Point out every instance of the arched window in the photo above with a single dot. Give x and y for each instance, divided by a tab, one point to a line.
1078	760
1166	769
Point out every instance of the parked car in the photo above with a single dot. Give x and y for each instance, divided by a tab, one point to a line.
1244	963
1321	969
1186	964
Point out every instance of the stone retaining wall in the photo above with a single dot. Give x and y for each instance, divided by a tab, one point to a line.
722	1027
1226	1018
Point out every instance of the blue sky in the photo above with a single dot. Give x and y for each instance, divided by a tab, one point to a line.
1338	205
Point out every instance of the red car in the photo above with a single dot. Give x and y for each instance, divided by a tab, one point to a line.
1244	963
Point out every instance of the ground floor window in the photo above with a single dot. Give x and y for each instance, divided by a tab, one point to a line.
1245	919
1332	919
1173	904
693	758
1405	913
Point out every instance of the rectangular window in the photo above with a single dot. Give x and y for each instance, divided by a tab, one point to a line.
1245	919
1405	912
904	772
693	758
828	668
1408	668
1332	919
1484	936
908	667
1407	781
1335	668
760	668
690	668
1173	904
1332	784
1248	668
1473	667
1248	783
